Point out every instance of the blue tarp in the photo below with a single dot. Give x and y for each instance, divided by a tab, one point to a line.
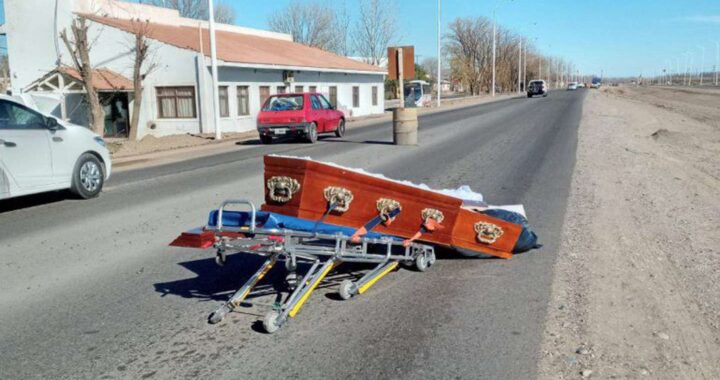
271	220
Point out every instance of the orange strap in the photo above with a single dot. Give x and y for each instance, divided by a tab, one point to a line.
355	238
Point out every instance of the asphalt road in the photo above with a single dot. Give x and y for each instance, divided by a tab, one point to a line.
90	289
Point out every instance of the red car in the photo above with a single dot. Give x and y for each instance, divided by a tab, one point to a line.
300	116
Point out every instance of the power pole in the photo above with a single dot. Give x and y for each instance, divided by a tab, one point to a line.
213	63
702	64
520	67
525	65
717	59
493	57
439	56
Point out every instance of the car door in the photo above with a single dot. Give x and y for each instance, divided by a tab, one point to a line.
317	114
332	118
25	146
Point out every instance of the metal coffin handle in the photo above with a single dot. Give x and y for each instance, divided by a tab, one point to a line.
228	202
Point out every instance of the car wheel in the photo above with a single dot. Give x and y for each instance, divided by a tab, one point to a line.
312	133
529	95
88	177
340	131
267	140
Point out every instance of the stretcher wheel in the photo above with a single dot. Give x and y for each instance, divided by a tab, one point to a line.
347	289
220	258
218	315
270	322
421	262
431	258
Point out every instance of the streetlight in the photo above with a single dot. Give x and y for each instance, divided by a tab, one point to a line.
213	63
520	65
493	58
439	57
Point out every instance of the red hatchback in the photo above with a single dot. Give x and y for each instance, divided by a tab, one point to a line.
298	115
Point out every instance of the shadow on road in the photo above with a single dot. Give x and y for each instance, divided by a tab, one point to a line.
34	200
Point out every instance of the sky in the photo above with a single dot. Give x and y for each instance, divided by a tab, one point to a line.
617	37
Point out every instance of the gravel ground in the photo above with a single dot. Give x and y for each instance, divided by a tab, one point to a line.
638	272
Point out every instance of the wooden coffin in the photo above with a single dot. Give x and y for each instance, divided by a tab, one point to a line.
304	188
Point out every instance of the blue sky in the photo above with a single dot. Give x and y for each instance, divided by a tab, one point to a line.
622	38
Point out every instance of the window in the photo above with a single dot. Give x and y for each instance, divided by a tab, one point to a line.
224	104
313	89
176	102
15	116
315	103
284	103
243	98
356	96
333	96
374	96
264	94
324	102
299	89
281	89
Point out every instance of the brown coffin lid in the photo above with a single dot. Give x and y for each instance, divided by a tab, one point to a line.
242	48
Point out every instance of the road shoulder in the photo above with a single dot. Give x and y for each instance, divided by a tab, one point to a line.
637	278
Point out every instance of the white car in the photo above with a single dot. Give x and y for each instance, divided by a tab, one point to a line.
40	153
572	86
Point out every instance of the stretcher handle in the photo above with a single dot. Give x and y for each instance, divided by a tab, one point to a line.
228	202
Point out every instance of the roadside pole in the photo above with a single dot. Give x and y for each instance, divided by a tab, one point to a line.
493	57
717	60
702	64
213	63
520	67
439	55
401	85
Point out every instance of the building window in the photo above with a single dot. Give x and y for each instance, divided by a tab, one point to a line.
333	96
356	96
176	102
243	97
224	104
299	89
281	89
374	96
264	94
312	89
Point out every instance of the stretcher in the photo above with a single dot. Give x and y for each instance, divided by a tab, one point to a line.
295	241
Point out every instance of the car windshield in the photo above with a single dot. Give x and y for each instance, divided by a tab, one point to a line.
284	103
413	91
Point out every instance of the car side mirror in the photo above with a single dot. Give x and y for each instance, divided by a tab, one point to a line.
52	124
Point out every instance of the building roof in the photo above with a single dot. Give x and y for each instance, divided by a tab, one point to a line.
243	49
103	79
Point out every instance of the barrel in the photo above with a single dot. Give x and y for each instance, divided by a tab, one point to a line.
405	126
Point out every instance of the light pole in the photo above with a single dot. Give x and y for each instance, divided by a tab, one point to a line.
717	59
213	63
493	57
702	64
439	57
525	65
520	66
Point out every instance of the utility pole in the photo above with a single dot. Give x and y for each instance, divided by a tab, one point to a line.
439	55
717	59
525	65
520	67
493	57
702	64
213	63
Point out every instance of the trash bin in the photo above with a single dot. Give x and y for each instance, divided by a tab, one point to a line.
405	126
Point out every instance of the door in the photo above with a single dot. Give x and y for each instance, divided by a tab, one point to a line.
25	146
332	119
317	113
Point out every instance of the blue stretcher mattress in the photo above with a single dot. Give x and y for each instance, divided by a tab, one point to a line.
271	220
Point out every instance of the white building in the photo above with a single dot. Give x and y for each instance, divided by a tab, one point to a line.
177	98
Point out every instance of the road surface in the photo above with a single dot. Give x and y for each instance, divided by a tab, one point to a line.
90	289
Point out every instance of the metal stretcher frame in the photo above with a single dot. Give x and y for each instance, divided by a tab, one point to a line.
322	251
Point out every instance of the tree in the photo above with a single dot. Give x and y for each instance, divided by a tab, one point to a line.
79	48
4	74
309	24
198	9
141	69
375	30
420	73
429	66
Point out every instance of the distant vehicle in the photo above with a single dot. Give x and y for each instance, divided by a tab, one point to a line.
418	93
301	115
572	86
596	83
537	87
40	153
581	85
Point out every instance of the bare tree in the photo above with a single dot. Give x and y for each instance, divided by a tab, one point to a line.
467	45
79	48
198	9
142	67
4	74
342	31
311	24
375	30
430	66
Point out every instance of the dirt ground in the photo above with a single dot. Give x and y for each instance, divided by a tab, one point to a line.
149	144
638	275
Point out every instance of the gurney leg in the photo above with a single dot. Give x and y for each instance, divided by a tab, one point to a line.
275	319
240	295
348	289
